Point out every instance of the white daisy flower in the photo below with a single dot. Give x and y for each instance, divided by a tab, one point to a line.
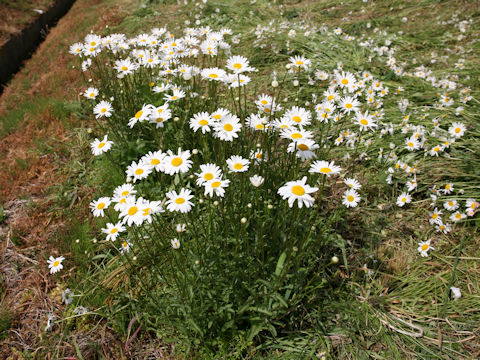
451	205
113	230
131	212
141	115
99	147
126	245
91	93
457	216
216	186
424	247
55	264
237	164
298	190
352	183
99	206
457	130
403	199
435	217
299	116
202	121
179	202
228	127
177	163
350	198
138	171
238	64
154	160
208	172
303	148
175	243
103	109
325	167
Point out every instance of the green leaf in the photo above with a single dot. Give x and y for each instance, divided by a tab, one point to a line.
280	262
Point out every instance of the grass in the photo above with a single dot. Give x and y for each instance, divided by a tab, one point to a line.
379	315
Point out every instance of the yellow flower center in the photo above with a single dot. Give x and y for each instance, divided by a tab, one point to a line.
216	184
174	98
132	211
139	172
125	244
330	97
228	127
146	211
217	116
177	161
410	144
56	263
124	68
457	130
299	62
424	247
154	162
213	76
125	193
104	110
298	190
237	66
348	106
138	114
203	122
344	81
302	147
436	149
100	206
283	126
325	170
258	156
208	176
264	102
364	122
158	120
296	136
260	126
458	216
92	94
404	199
350	198
447	187
179	200
113	231
434	216
297	119
238	166
101	145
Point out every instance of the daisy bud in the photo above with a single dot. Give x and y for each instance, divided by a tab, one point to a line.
295	82
295	249
77	241
134	258
243	220
200	201
190	176
176	118
215	203
249	205
270	206
194	151
89	130
197	262
94	241
274	83
334	259
129	179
